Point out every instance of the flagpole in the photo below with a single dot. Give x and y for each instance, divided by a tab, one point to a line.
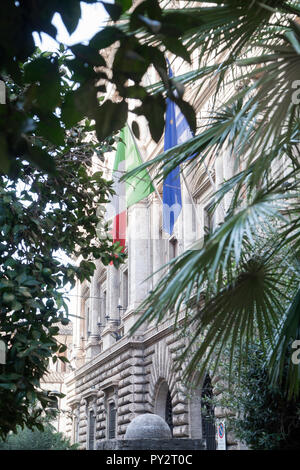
134	140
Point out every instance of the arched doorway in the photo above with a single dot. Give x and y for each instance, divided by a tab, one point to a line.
163	404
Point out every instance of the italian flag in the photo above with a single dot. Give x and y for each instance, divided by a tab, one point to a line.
127	192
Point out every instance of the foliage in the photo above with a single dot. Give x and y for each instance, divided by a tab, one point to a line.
35	439
243	279
264	419
42	216
44	99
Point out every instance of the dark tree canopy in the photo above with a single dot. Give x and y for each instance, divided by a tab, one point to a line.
42	78
42	216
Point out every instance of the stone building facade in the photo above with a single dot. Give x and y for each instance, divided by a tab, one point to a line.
115	376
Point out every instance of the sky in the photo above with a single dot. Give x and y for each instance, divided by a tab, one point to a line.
93	18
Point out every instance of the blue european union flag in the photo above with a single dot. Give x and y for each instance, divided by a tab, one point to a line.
177	131
172	203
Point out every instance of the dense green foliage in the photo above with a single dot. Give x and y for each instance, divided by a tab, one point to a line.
43	216
263	419
35	439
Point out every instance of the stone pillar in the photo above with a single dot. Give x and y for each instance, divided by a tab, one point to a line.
113	294
138	259
228	171
156	238
189	216
219	178
77	342
93	346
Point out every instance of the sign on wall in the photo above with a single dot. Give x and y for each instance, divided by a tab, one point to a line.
221	435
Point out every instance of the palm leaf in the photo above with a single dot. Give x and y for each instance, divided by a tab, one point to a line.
288	332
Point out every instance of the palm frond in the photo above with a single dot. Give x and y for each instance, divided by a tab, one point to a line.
288	332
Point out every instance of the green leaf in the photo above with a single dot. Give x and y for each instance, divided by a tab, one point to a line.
88	55
4	156
188	112
177	48
106	37
70	114
153	108
79	104
126	4
42	159
131	61
136	92
43	73
70	12
289	331
113	9
135	129
50	128
110	117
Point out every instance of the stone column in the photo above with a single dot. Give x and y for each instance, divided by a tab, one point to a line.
189	216
219	178
228	171
77	342
156	238
93	346
138	259
112	300
113	292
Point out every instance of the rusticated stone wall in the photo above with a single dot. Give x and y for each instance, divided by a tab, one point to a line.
131	372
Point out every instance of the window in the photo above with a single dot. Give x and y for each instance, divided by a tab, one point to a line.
76	423
125	289
87	317
208	415
99	300
169	412
92	422
209	221
163	404
112	412
173	248
194	218
103	307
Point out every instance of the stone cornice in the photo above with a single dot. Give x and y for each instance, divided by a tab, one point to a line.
108	384
90	392
114	351
151	335
74	400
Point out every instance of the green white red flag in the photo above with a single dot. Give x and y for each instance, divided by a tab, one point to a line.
129	192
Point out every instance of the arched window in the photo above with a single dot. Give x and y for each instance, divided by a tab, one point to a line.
163	404
208	414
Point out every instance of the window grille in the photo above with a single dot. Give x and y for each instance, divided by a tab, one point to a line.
208	415
92	421
112	420
169	412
